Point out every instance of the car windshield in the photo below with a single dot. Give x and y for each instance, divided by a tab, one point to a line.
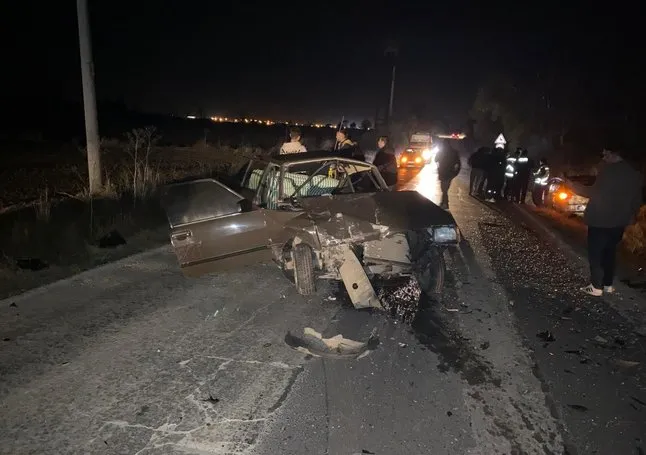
327	177
418	145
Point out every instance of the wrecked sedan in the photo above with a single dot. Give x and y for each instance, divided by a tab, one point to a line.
318	216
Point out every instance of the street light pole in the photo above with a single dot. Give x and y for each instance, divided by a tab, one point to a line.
391	51
89	99
392	93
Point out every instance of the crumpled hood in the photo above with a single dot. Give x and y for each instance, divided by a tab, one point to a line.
399	210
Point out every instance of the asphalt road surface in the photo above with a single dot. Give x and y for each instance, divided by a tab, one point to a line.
132	358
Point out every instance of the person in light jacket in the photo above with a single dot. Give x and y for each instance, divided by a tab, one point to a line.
294	145
614	200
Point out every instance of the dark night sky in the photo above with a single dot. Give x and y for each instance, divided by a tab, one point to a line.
309	62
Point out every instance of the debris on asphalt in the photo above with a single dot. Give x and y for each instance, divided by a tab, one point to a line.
332	298
600	340
6	339
484	346
212	400
625	363
452	310
13	304
546	336
578	407
511	303
402	345
313	343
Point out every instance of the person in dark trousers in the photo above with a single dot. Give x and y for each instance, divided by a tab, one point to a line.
614	201
477	162
510	175
541	176
449	165
523	173
495	174
386	161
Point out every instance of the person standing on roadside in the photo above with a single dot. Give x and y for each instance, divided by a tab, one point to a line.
614	201
386	161
495	175
541	176
294	145
523	172
346	148
448	167
510	175
478	162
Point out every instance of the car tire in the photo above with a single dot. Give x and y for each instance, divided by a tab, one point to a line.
303	269
432	273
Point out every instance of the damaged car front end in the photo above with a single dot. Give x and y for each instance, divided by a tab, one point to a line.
318	217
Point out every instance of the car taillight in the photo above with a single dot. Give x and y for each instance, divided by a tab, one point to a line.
563	195
404	159
418	160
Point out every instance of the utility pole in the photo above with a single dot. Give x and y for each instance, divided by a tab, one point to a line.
392	93
89	100
392	51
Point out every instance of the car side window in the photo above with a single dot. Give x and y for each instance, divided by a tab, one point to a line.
200	200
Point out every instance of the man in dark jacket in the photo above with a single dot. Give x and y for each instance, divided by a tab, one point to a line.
386	161
478	162
523	172
614	200
346	148
449	165
495	174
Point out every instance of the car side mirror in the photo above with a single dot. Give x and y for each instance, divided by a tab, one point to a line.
245	205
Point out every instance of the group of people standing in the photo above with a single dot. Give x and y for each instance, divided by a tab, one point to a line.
499	174
384	159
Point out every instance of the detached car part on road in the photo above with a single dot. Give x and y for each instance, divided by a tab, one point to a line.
557	194
317	216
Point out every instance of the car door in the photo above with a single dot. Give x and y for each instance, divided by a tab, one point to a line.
213	228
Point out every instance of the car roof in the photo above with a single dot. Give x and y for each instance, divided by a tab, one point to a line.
313	156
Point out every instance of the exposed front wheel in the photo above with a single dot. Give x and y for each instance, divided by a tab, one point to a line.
303	269
432	272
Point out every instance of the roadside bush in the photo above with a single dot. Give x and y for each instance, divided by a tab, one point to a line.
635	236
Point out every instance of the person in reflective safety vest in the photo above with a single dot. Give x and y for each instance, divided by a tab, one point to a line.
523	173
541	176
510	174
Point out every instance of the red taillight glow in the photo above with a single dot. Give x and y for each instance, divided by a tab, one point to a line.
418	160
563	195
404	159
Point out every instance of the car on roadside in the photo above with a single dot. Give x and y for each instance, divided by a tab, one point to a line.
317	216
560	196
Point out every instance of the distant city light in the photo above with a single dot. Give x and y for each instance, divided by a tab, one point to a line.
218	119
192	117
